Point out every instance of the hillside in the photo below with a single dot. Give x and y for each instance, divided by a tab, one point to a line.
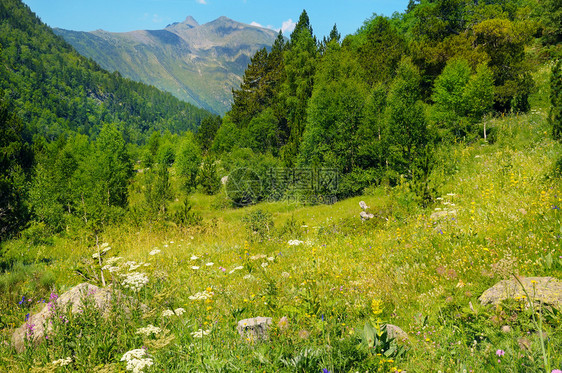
54	90
199	64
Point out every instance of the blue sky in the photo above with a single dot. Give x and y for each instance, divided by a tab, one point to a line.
128	15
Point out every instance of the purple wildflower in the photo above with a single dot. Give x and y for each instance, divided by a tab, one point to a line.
500	352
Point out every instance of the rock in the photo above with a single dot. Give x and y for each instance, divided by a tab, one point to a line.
254	329
397	333
73	300
365	215
363	205
546	290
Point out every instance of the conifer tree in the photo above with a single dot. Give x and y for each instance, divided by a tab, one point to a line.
555	115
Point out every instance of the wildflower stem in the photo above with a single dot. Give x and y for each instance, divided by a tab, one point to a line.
538	325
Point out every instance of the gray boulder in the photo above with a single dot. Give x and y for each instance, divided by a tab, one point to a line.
38	325
545	290
254	329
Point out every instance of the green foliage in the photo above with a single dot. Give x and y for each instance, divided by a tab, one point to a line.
407	126
555	114
208	178
207	131
462	98
188	161
157	190
259	224
16	158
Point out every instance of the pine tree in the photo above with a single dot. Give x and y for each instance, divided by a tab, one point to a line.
300	66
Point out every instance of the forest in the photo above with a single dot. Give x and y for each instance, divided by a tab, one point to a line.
445	119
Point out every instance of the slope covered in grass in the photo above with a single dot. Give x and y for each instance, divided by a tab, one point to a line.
407	267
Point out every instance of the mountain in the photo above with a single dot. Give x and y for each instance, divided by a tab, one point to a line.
199	64
55	90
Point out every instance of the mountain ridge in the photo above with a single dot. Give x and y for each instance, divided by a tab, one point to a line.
200	64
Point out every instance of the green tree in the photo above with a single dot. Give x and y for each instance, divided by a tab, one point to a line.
158	190
208	177
555	115
188	161
407	133
300	66
207	131
16	157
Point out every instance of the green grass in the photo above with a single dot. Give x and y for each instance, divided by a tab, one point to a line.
425	272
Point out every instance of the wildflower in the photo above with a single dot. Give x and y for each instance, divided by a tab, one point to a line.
179	311
22	299
271	258
556	371
95	255
222	269
248	277
167	313
264	264
112	260
203	295
154	252
200	333
285	274
500	352
150	329
193	257
136	361
376	307
135	281
195	267
209	264
62	362
295	242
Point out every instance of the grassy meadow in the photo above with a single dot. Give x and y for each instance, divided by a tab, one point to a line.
329	281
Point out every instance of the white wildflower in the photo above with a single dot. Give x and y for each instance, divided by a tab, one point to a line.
135	360
179	311
112	260
150	329
285	274
248	277
271	258
62	362
202	295
95	255
165	245
167	313
135	281
194	257
295	242
236	269
264	264
106	250
200	333
194	267
154	252
209	264
256	257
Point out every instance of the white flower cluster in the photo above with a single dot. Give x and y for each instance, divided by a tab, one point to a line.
110	268
200	333
178	311
135	281
295	242
136	361
112	260
236	269
132	265
202	295
150	329
154	252
62	362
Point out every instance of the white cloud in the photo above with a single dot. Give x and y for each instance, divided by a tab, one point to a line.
204	2
156	18
288	26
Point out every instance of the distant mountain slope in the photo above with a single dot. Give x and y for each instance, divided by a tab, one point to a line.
54	90
196	63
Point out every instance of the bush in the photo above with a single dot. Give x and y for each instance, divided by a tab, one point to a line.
259	224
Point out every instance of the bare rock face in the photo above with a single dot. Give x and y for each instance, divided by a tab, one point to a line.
254	329
37	325
545	290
